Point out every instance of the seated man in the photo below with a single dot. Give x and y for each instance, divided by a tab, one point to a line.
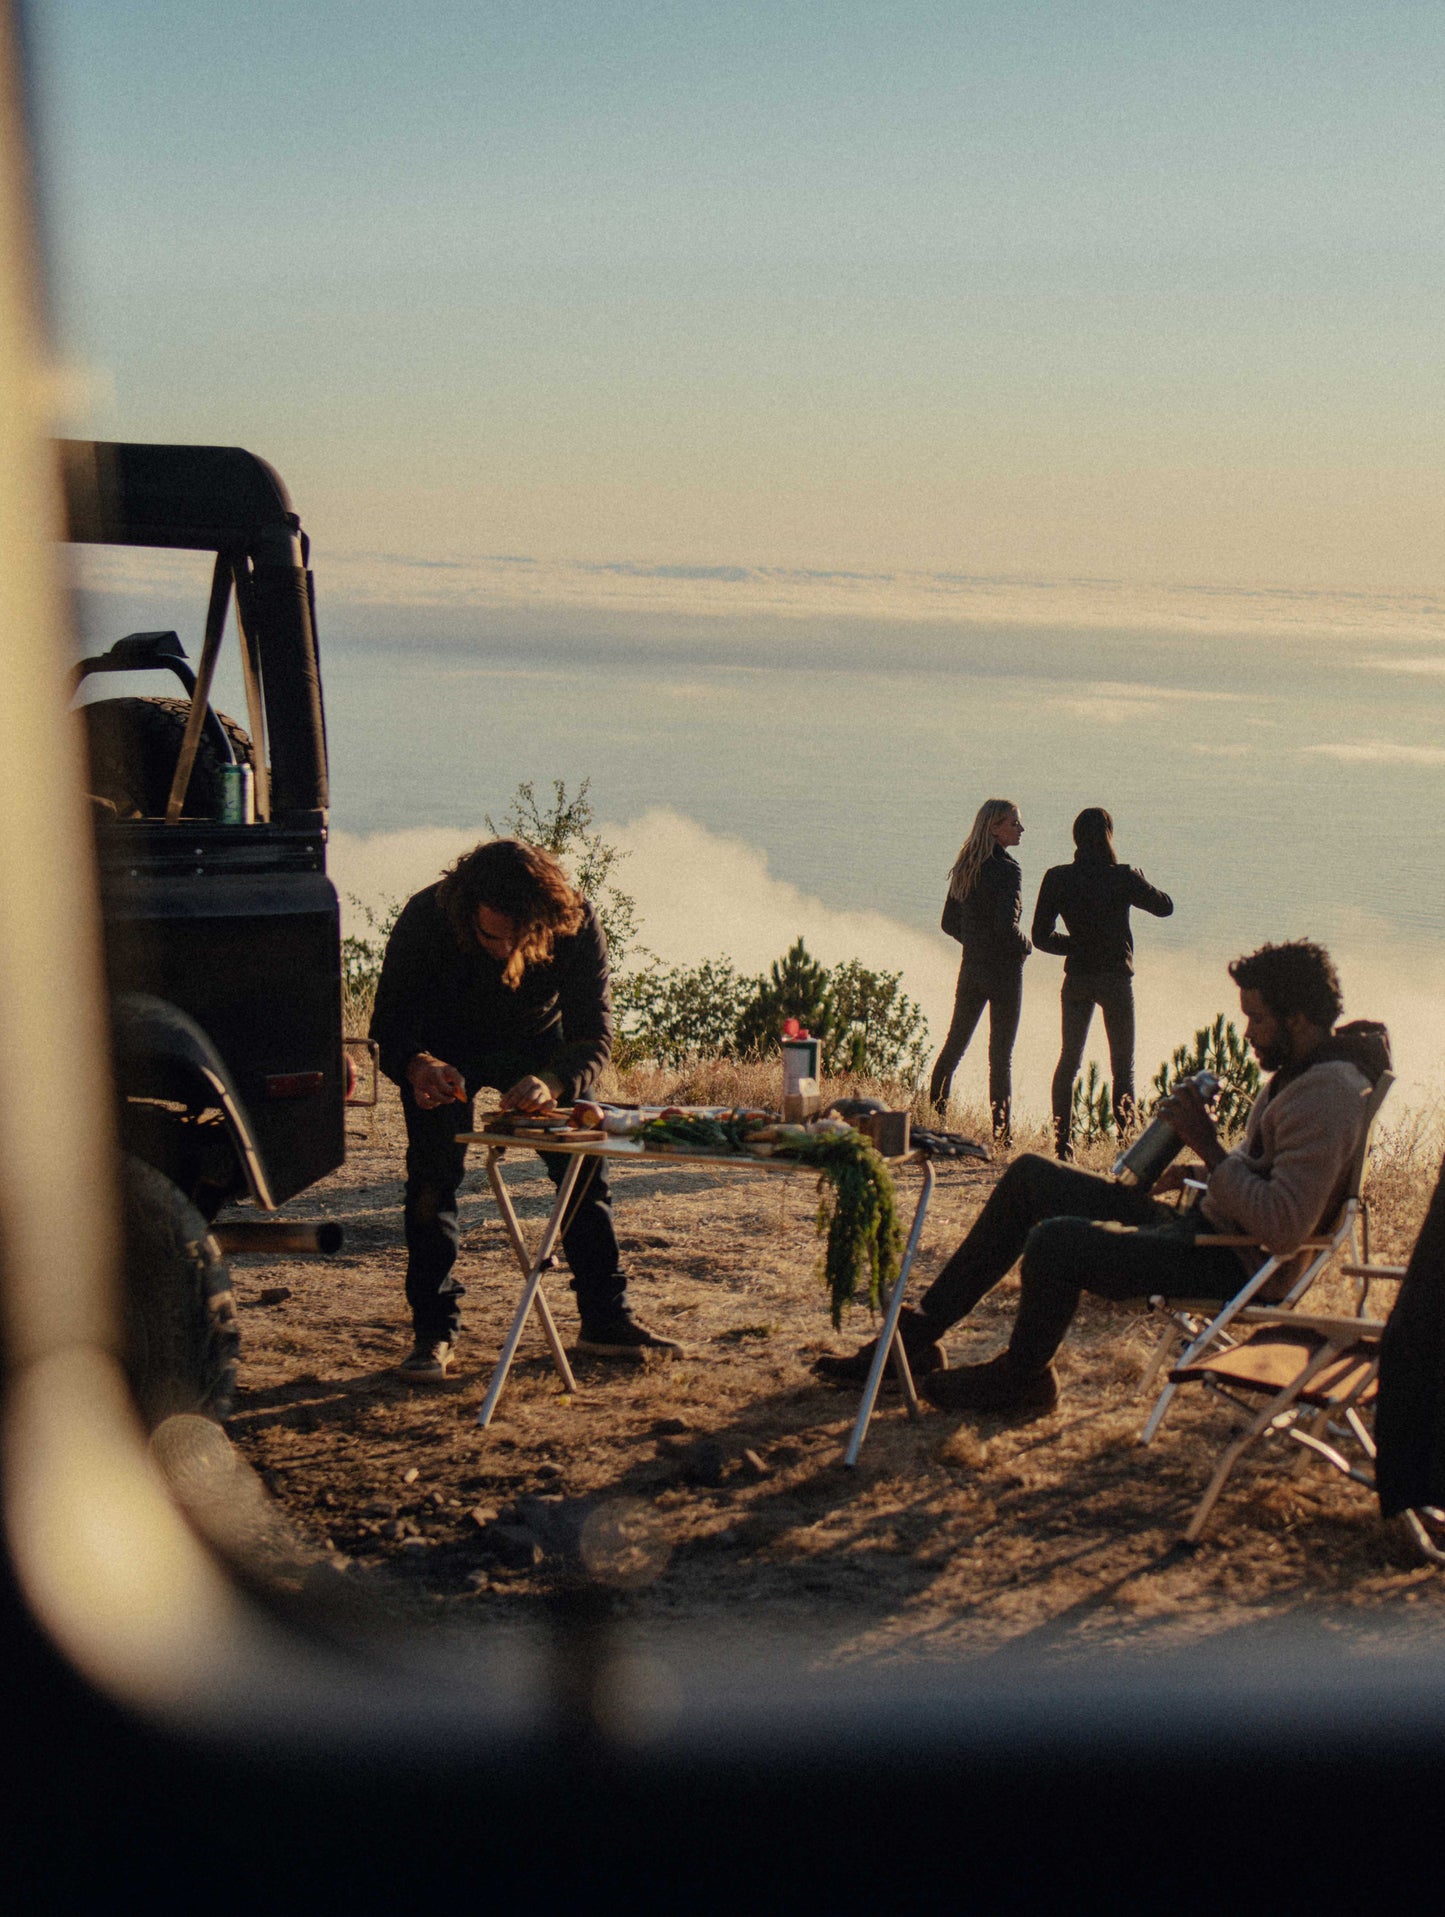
497	975
1287	1178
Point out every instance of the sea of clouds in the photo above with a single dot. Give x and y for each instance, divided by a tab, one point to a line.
700	895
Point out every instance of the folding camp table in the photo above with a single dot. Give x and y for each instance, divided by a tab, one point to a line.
585	1154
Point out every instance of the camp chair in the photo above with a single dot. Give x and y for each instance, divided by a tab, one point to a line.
1199	1324
1317	1376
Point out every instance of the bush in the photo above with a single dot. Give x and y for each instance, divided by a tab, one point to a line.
676	1016
877	1030
1091	1108
361	956
1218	1048
684	1013
796	987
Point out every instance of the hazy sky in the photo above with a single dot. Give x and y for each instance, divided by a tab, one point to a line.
1143	291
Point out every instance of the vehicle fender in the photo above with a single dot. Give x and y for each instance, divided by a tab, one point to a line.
161	1052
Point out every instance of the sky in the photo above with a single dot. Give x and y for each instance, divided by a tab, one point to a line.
1140	294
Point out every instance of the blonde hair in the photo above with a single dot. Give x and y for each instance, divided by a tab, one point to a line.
977	848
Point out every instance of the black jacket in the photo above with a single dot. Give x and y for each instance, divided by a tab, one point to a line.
1093	898
986	923
440	997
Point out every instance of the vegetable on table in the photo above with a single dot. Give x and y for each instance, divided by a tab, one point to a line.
864	1249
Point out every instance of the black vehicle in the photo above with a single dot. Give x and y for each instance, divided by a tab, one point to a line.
221	928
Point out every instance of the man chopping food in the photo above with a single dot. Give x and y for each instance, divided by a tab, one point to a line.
497	976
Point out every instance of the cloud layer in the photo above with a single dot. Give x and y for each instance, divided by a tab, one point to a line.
503	582
700	895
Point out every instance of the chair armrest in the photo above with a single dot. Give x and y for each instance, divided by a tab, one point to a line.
1243	1238
1337	1330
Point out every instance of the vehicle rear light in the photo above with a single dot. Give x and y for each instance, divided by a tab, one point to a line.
293	1084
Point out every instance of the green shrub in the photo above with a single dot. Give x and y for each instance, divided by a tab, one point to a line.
1218	1048
679	1014
683	1013
361	956
1091	1108
877	1030
796	987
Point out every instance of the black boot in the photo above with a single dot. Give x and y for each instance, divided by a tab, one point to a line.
996	1386
920	1337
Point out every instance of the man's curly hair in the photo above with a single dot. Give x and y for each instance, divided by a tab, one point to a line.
1298	977
522	882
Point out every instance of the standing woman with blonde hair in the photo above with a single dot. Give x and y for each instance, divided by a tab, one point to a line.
985	889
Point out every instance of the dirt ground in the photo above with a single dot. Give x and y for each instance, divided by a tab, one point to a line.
710	1490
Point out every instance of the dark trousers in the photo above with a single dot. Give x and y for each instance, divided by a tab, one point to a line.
1076	1232
1113	993
434	1167
1003	996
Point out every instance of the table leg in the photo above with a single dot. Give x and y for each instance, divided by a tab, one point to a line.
524	1260
889	1341
532	1269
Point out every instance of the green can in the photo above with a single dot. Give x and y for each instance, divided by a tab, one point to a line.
238	795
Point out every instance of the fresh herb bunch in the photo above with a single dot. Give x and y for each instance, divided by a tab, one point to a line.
728	1133
865	1242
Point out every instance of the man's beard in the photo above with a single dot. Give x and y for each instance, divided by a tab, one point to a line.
1273	1057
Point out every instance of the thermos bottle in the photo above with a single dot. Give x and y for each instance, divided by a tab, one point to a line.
1159	1144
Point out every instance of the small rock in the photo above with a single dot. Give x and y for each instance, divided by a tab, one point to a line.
378	1508
514	1546
394	1530
549	1470
435	1499
755	1464
482	1515
273	1295
668	1428
410	1475
416	1544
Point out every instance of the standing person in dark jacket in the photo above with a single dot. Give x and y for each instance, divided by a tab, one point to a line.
497	975
1093	897
985	889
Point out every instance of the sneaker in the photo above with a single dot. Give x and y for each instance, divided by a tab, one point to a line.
620	1336
996	1386
920	1341
429	1363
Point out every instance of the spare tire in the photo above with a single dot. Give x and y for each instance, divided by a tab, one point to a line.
181	1338
134	745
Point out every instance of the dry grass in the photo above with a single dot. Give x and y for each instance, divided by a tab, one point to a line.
952	1538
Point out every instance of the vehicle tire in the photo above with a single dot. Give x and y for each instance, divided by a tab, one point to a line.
134	745
181	1336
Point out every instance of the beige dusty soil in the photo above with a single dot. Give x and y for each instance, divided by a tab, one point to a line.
950	1538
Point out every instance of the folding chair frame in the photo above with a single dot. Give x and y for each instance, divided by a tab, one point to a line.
1351	1229
1312	1420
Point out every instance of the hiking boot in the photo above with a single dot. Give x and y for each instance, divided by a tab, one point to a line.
429	1363
996	1386
619	1336
920	1341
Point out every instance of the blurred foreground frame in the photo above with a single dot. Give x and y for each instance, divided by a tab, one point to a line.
191	1725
